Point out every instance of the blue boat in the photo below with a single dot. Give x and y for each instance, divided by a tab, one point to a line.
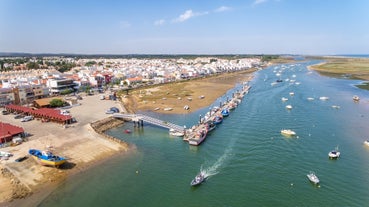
46	157
225	112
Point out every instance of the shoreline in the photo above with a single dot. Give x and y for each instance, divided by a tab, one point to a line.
93	134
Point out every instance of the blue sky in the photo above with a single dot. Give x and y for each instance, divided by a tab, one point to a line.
318	27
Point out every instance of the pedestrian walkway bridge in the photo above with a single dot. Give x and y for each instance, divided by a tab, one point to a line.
151	120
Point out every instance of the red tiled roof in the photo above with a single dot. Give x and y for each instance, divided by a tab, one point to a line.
43	112
8	130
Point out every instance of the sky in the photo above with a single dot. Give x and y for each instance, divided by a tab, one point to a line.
307	27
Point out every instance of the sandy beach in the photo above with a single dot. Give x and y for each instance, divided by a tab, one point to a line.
28	182
196	94
79	143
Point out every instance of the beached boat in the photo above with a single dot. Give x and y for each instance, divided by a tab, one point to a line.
198	179
288	132
168	109
198	139
176	133
186	107
225	112
46	157
334	153
313	178
356	98
366	142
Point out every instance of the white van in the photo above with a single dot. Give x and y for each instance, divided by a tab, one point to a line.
27	118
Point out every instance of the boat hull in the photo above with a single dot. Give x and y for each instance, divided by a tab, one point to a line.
46	158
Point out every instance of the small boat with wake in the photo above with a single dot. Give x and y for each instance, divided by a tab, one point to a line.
313	178
198	179
46	157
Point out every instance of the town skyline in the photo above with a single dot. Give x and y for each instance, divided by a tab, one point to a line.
185	27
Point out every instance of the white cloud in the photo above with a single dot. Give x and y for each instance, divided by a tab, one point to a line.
188	15
159	22
259	2
222	9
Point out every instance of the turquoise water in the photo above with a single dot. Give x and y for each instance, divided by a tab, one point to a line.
249	162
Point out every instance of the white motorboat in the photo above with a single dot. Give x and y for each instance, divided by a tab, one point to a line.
323	98
288	132
313	178
168	109
284	99
176	133
334	153
310	99
288	107
292	93
198	179
366	142
356	98
335	107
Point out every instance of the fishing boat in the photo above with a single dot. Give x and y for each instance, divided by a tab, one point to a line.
225	112
218	119
210	126
288	132
198	179
334	153
199	138
46	157
313	178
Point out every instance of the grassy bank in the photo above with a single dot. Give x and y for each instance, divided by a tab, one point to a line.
354	68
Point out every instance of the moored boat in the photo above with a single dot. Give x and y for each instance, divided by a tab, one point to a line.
225	112
198	179
218	119
46	157
334	153
289	107
288	132
199	138
366	142
356	98
176	133
313	178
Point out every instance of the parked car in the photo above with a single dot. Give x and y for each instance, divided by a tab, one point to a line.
5	112
18	116
27	118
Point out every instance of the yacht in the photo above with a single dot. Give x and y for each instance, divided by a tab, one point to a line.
284	99
313	178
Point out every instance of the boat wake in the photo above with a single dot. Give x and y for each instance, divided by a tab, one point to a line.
214	169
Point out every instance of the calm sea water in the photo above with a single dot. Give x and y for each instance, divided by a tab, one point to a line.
249	162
